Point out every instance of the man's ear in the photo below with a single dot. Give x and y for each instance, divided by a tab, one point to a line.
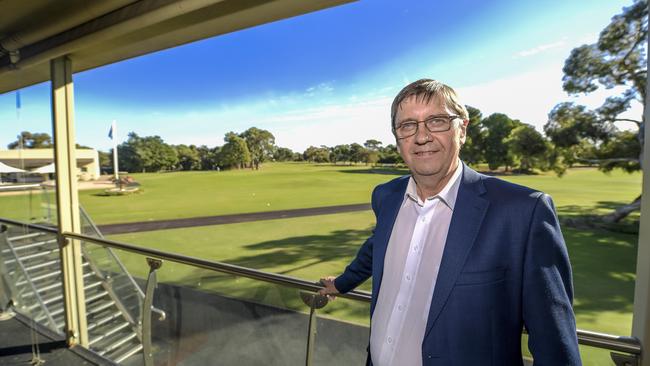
463	131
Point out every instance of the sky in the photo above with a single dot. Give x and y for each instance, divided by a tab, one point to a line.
329	77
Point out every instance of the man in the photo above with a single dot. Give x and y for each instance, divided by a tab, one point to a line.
460	261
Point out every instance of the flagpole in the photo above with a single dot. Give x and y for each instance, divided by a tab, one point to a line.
113	137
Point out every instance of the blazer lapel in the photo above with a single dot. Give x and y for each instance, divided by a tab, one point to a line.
386	220
466	220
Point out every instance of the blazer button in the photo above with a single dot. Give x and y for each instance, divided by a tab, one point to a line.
429	356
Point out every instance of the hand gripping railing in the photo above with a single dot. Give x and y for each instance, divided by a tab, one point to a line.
628	345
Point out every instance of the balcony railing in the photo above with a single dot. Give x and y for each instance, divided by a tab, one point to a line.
215	308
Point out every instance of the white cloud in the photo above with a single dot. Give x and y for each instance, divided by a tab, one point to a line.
540	48
320	89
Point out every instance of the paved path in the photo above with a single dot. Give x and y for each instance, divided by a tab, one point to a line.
135	227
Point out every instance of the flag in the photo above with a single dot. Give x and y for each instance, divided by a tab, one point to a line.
112	131
18	102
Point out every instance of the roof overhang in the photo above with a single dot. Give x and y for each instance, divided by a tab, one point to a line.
96	33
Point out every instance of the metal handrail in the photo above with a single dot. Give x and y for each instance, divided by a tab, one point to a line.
609	342
161	314
217	266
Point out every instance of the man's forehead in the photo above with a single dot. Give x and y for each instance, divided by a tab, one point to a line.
431	101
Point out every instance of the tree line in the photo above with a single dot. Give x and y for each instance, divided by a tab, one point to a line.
248	149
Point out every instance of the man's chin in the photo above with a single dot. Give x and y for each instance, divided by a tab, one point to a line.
431	172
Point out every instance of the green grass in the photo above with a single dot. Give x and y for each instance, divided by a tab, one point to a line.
294	185
274	187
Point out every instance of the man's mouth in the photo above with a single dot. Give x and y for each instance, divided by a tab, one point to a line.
425	152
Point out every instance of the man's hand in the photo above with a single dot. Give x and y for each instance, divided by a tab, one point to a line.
329	289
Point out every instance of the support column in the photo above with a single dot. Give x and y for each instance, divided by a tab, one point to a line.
641	320
68	200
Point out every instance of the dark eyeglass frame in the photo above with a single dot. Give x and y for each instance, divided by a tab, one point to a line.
427	123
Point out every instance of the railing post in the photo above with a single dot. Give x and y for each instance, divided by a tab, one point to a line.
68	200
152	282
314	302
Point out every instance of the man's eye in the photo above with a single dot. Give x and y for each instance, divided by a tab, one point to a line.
437	121
408	126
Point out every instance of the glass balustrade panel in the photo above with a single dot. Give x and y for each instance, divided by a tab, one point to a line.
31	275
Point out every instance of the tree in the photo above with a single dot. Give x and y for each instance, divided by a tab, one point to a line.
357	153
371	153
207	157
390	155
28	140
373	145
317	154
341	153
283	154
528	147
146	154
261	144
234	153
498	127
472	151
188	157
617	59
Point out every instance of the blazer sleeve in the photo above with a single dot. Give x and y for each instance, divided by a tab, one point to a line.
360	269
548	291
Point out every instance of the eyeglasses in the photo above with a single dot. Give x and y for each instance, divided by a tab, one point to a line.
439	123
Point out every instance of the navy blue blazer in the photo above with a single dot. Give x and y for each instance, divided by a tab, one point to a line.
504	266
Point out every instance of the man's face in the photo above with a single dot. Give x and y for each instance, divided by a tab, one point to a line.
429	154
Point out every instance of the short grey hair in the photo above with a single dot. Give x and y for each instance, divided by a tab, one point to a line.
426	90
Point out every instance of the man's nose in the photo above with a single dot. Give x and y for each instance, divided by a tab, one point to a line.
422	136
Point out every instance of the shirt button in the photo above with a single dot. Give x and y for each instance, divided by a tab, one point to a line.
389	340
423	219
415	249
400	307
408	277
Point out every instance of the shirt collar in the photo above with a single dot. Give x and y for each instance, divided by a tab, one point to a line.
447	194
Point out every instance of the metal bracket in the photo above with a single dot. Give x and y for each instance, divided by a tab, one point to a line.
63	241
154	263
624	360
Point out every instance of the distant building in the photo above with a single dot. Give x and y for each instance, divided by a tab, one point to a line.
30	159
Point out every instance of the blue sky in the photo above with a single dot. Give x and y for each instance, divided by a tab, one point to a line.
329	77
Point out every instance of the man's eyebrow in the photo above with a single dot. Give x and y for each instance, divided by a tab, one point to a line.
426	118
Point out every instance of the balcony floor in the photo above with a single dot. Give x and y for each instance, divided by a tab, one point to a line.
16	346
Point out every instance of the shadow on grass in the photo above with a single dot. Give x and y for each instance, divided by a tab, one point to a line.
591	218
291	254
306	250
387	171
604	267
582	210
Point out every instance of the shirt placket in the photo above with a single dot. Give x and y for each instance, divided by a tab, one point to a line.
411	266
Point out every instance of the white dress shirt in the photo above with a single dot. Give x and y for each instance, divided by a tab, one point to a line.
410	270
